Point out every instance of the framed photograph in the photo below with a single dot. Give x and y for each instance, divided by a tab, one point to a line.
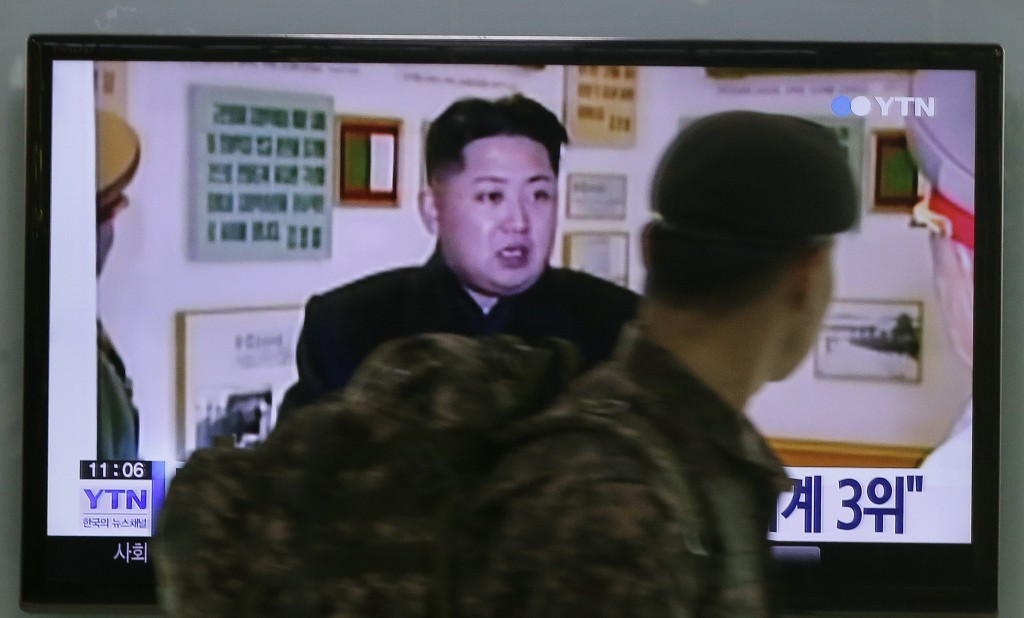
600	105
260	166
870	340
366	161
896	173
602	254
596	196
233	367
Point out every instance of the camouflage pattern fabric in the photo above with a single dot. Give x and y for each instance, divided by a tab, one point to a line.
432	487
588	523
350	507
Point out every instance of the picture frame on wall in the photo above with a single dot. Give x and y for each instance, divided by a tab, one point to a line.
601	105
596	196
895	179
875	340
366	161
233	367
602	254
260	164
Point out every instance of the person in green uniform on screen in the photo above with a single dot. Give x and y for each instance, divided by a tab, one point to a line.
117	418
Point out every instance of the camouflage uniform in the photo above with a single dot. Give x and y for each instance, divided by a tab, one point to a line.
431	487
580	523
351	507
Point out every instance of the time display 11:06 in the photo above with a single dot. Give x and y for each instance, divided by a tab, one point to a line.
135	470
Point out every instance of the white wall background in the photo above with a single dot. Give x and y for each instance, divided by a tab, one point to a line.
148	278
867	20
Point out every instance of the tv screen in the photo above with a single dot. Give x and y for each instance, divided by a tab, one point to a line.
187	197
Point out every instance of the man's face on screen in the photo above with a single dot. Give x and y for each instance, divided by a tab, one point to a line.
495	217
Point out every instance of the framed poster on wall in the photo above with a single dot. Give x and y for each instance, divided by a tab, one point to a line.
260	175
870	340
602	254
233	367
596	196
895	176
600	106
366	161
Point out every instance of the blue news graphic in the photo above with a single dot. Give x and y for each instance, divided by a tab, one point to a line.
903	106
841	106
113	503
109	499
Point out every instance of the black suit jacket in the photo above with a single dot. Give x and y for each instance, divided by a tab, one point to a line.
344	325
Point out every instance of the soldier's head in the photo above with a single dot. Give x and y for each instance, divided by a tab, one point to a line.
491	195
746	206
117	158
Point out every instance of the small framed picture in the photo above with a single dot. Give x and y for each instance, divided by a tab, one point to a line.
233	367
596	196
602	254
870	340
896	173
601	106
366	161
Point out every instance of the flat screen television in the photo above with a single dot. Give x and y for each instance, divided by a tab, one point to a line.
230	179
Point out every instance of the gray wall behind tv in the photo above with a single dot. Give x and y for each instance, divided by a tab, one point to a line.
992	21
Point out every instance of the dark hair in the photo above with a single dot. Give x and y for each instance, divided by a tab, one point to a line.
738	195
471	119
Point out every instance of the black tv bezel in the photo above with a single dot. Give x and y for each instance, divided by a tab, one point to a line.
977	594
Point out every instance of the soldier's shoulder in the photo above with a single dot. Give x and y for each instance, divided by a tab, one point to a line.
582	439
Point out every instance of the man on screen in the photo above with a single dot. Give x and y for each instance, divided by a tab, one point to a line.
492	201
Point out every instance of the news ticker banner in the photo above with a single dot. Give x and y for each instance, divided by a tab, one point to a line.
873	505
119	498
836	505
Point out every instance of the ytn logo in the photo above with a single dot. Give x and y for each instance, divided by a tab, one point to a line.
904	106
117	499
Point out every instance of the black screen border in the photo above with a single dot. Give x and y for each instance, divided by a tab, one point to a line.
976	593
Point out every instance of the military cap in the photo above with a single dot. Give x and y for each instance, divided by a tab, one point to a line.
117	158
754	178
